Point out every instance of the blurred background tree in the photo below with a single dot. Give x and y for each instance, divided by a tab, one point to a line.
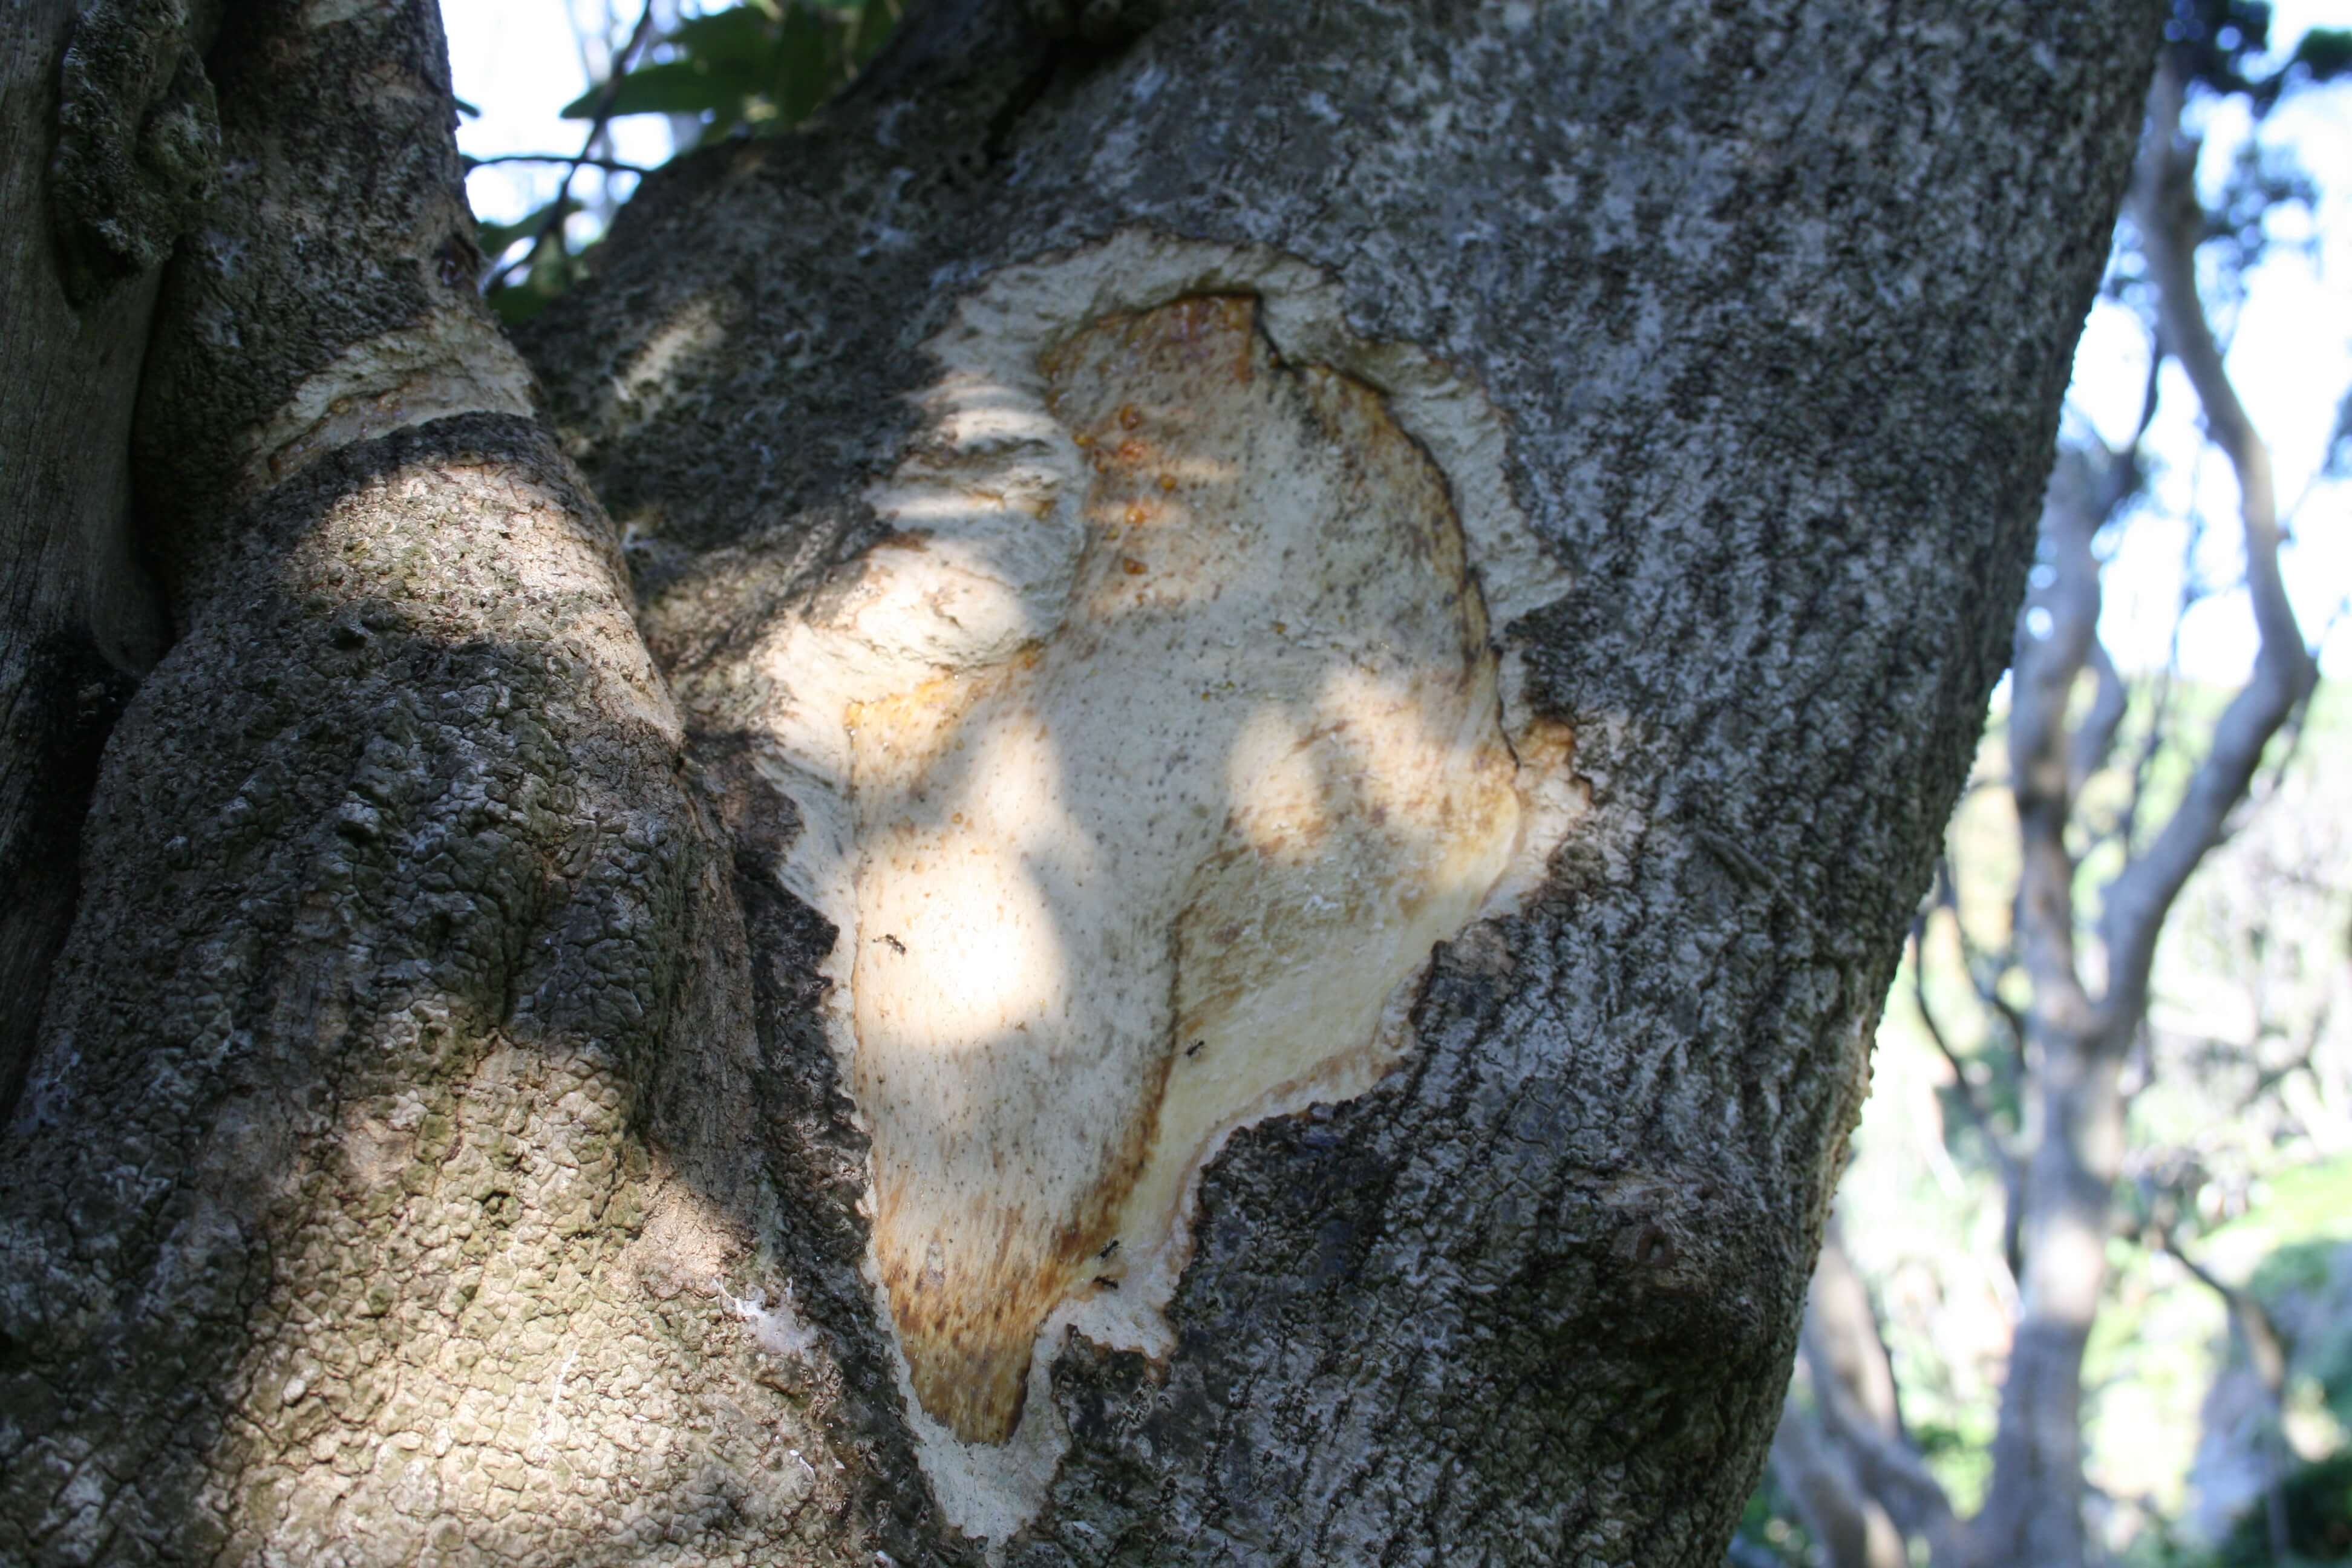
2092	1296
2107	1165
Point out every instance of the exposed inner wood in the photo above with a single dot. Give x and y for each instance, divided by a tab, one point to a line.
1161	873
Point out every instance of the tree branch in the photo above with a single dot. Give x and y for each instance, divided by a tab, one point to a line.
1854	1390
610	165
2119	480
2164	207
2096	735
2055	634
1850	1526
552	221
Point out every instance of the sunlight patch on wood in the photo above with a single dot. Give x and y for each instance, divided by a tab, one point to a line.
454	360
1160	873
1140	769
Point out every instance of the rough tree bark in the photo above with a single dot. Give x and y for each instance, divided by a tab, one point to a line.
78	620
448	1141
2079	1023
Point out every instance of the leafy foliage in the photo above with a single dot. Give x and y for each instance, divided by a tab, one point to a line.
2318	1520
750	68
2211	40
522	289
756	66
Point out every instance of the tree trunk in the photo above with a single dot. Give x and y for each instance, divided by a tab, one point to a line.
1302	670
2033	1510
1862	1491
77	621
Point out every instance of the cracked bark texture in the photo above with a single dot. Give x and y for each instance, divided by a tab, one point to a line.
435	1072
386	1161
78	620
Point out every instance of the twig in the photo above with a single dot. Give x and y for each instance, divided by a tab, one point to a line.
2012	1174
2266	1352
1984	969
553	220
1970	1101
610	165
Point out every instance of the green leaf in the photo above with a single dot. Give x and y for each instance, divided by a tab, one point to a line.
497	236
803	69
691	86
876	18
518	304
2325	53
739	33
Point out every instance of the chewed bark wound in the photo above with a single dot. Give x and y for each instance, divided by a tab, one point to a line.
1173	737
1168	823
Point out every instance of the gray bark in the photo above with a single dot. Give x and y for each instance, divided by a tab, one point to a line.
77	621
433	1094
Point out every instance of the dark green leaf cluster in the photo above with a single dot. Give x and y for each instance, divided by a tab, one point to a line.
756	67
2318	1499
552	267
750	68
